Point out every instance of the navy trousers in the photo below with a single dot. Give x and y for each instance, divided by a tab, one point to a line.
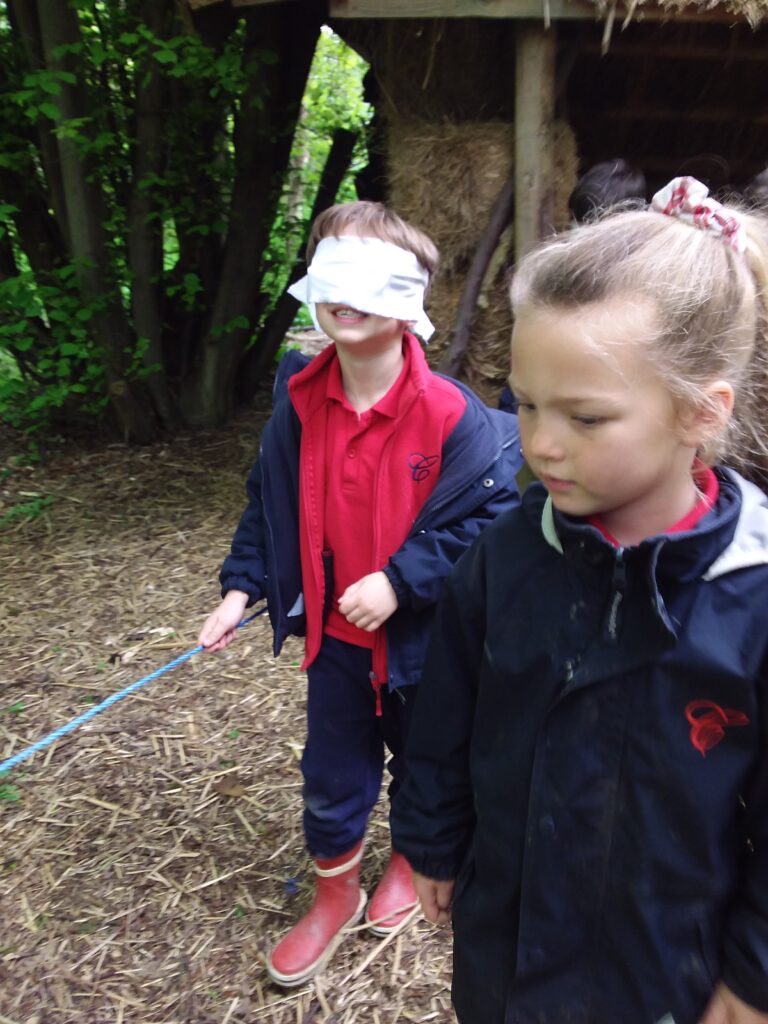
343	760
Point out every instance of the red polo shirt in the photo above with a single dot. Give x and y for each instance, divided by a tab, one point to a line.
708	488
354	443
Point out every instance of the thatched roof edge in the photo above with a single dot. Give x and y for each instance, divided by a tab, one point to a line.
753	10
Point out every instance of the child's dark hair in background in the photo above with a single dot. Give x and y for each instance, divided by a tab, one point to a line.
606	184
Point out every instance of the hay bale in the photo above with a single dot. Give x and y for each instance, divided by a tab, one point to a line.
445	178
441	306
487	363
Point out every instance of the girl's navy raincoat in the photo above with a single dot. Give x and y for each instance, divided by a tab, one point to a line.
589	758
477	483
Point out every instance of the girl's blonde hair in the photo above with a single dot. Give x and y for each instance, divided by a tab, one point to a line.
711	301
377	221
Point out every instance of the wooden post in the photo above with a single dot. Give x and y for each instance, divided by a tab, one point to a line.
534	114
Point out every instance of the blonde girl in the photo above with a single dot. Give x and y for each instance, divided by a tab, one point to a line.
587	788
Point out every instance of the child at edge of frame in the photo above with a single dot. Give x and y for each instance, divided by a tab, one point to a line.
374	475
592	813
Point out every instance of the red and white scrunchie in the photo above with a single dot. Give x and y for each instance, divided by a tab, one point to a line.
689	200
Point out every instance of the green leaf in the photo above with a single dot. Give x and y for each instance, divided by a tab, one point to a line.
50	85
50	110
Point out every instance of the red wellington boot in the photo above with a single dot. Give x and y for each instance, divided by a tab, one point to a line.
338	903
394	899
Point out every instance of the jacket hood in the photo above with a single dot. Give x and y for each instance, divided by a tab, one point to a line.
749	546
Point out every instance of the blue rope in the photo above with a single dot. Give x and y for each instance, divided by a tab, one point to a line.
87	715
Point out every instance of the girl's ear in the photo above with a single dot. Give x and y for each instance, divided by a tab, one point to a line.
709	417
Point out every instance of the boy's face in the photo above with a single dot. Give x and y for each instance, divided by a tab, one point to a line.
354	329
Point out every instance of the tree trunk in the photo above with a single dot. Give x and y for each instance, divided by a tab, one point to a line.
200	254
145	226
263	133
85	215
23	15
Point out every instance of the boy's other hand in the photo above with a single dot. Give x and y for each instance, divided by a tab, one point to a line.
435	898
726	1008
368	603
220	628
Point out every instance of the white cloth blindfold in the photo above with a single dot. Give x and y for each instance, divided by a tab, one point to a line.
370	275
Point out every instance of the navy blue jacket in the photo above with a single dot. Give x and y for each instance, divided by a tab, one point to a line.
588	758
477	482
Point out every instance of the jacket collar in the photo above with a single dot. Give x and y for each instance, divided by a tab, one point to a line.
307	395
734	535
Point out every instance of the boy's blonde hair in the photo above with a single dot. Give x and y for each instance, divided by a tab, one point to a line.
711	301
376	221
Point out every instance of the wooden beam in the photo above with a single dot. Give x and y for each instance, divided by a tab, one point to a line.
534	113
544	9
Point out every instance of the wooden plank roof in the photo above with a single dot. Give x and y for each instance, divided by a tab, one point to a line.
729	11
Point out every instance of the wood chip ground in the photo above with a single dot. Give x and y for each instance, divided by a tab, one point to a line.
150	858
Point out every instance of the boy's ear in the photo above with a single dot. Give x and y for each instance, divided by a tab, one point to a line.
709	417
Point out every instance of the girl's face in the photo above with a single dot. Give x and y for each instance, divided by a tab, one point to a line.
598	425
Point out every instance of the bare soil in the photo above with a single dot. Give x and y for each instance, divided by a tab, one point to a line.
151	857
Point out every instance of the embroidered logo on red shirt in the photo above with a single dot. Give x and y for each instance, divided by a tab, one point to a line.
709	722
420	465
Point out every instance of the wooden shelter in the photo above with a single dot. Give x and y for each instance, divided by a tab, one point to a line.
490	109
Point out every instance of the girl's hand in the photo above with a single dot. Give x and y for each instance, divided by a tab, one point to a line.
726	1008
368	603
220	628
435	898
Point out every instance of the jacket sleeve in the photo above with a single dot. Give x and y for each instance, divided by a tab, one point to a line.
433	816
418	569
244	567
745	941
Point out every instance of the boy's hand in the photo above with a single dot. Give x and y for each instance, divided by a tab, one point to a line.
220	628
435	898
369	602
726	1008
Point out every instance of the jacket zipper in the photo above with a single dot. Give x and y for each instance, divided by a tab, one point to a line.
618	587
270	534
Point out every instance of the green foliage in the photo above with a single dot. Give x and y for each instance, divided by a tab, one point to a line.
333	99
52	359
15	709
25	510
47	352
